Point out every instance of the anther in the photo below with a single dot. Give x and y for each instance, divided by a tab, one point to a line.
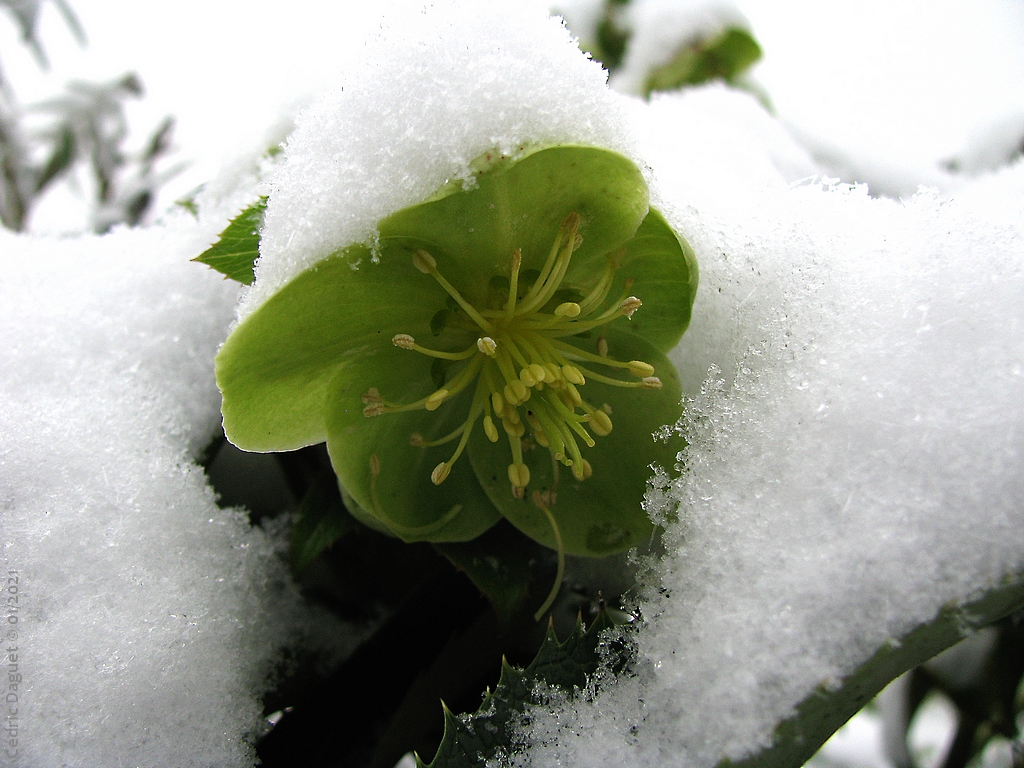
575	400
601	423
519	475
489	346
372	395
374	409
640	369
651	382
602	346
573	375
403	340
424	262
568	309
514	428
434	401
516	393
526	376
587	470
497	403
440	473
489	429
539	372
630	305
416	439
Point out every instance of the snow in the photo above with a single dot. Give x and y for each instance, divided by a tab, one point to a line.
856	369
498	78
855	457
148	620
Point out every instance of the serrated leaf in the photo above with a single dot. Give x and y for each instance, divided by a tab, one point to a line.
472	740
238	247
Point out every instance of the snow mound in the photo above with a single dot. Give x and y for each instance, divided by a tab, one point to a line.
146	619
856	458
437	88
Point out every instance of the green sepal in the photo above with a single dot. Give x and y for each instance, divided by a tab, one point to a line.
276	367
520	204
470	740
602	514
401	495
238	246
723	57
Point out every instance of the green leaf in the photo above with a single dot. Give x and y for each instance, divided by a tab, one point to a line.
723	57
238	247
498	563
471	740
321	521
829	706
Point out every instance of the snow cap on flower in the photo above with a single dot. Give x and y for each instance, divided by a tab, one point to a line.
412	109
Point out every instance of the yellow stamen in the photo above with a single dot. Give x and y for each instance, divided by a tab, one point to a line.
516	355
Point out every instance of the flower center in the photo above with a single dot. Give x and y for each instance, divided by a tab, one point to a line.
523	374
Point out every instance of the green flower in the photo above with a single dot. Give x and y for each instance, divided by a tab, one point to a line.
500	352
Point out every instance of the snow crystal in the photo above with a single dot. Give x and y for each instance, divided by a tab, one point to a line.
146	618
857	434
437	88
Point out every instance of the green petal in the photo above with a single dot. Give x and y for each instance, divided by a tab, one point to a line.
521	204
664	269
403	497
602	514
275	368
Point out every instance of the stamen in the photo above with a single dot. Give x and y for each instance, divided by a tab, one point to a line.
629	306
651	382
601	423
440	473
488	346
640	369
426	263
434	401
568	309
513	283
374	409
560	571
405	341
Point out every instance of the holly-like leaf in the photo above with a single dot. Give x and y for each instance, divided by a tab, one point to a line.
471	740
238	247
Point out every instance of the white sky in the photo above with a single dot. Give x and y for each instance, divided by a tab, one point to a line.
907	80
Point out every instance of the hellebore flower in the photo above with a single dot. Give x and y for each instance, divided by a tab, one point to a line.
499	352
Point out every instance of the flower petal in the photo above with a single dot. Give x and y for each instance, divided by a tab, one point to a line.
402	496
520	204
275	368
